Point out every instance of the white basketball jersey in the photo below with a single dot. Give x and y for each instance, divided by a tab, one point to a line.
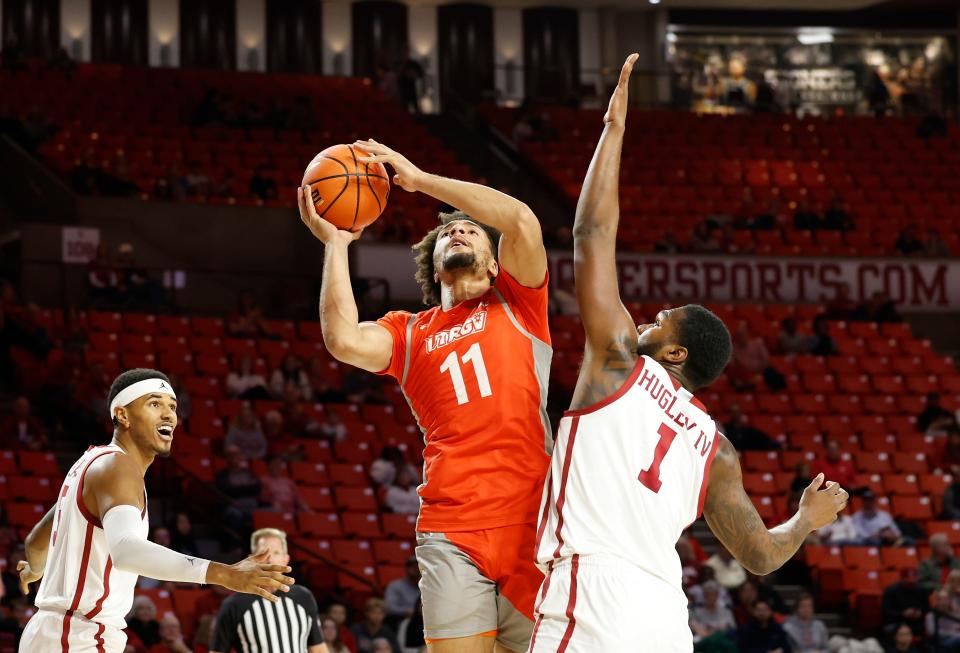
628	475
79	580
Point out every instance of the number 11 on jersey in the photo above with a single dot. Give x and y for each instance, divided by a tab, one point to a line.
473	356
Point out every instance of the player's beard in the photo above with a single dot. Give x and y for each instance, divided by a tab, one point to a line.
456	261
648	349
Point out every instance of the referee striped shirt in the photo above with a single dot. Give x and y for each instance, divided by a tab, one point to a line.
251	624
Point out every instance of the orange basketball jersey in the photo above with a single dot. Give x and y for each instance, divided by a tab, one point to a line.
476	379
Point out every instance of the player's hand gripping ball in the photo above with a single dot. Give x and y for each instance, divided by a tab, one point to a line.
345	191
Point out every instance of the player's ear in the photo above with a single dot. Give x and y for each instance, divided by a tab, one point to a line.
675	354
122	419
493	269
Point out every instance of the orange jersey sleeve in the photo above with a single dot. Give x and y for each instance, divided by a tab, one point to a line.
396	323
529	305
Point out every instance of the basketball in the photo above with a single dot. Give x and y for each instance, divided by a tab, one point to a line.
345	191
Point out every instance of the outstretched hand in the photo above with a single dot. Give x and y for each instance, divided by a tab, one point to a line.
405	175
617	110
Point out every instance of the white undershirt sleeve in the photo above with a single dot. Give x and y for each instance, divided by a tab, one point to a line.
136	554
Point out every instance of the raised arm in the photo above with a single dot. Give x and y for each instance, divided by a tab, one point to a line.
366	345
36	546
521	248
734	520
611	336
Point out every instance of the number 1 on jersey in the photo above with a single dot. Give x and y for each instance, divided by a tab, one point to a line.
452	364
651	477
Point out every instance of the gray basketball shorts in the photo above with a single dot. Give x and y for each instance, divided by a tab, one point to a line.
479	583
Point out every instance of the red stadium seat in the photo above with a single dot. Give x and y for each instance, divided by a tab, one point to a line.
140	323
106	322
40	464
348	474
318	499
899	557
316	524
271	519
355	498
399	526
901	484
25	515
34	488
386	574
910	462
912	508
362	524
8	462
310	474
949	528
389	552
872	462
862	557
353	553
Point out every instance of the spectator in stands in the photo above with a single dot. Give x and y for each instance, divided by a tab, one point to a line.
410	632
905	602
762	634
712	617
246	435
704	240
805	218
821	343
729	244
279	492
909	243
563	299
385	79
750	356
224	187
933	571
373	627
261	186
745	437
834	466
182	538
947	631
932	411
902	641
874	526
338	612
142	621
836	218
736	90
727	571
842	306
402	594
171	637
197	182
298	421
331	635
382	645
383	470
248	320
291	374
841	532
880	90
332	427
790	340
801	477
934	246
244	383
746	596
240	484
273	427
668	244
410	75
401	496
805	633
880	308
21	430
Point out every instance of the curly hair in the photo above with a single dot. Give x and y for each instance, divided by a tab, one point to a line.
424	254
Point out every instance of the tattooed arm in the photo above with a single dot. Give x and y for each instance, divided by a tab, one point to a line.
610	333
733	519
